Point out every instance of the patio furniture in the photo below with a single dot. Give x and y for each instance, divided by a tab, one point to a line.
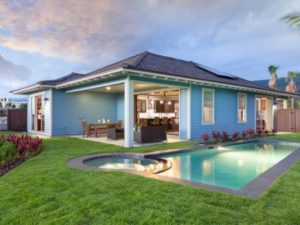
150	134
143	123
119	124
174	125
101	128
88	129
165	121
115	133
155	122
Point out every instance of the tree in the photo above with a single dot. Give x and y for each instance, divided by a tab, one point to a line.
8	104
293	19
1	105
23	106
272	70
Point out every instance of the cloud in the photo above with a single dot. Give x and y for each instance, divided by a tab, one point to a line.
222	34
12	76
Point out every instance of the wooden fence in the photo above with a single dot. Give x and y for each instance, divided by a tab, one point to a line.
17	120
287	120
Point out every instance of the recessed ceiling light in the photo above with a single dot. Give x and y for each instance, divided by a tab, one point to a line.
108	88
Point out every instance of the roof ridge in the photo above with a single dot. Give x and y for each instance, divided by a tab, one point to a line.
141	59
173	58
95	71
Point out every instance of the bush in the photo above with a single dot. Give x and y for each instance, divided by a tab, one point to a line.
8	153
224	136
235	136
216	135
205	137
25	144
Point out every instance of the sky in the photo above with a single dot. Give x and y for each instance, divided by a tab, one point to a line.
47	39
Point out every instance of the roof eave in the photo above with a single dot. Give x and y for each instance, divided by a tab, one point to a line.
30	89
209	83
94	77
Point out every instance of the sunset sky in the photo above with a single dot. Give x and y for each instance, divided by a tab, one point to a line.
45	39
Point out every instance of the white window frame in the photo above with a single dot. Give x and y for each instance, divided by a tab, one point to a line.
213	111
246	107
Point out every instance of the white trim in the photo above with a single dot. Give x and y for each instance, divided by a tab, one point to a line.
30	88
51	113
30	130
128	113
209	83
246	107
255	116
90	77
213	91
96	86
156	82
189	113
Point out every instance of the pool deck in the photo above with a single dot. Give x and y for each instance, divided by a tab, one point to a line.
254	189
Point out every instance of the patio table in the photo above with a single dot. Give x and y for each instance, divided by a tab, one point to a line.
101	128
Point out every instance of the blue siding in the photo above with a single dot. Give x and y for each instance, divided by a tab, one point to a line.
183	113
120	106
225	112
68	108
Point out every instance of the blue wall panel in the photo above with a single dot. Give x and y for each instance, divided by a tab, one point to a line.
120	107
226	118
68	108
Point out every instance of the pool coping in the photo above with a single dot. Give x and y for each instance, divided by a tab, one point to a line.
253	189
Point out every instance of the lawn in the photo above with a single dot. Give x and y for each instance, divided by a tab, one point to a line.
44	190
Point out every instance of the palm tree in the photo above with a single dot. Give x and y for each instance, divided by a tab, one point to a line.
293	19
273	82
291	86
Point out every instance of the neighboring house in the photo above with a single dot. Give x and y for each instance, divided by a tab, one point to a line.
199	98
9	102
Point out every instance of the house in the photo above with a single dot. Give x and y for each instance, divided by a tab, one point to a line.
12	102
144	86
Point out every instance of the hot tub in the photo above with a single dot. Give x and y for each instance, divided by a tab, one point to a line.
127	162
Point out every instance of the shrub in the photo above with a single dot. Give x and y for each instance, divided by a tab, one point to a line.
259	132
216	135
251	132
25	144
266	132
244	134
205	137
274	131
8	153
235	135
224	136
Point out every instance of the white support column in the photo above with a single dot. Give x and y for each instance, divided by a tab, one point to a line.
189	112
128	113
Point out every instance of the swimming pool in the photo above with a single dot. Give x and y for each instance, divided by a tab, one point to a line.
230	167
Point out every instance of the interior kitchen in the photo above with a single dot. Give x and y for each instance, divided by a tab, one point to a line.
160	107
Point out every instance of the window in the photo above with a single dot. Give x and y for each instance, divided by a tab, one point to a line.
208	108
242	108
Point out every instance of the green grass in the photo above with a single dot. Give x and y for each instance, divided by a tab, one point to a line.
44	190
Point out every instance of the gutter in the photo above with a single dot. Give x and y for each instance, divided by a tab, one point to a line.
112	73
30	88
209	83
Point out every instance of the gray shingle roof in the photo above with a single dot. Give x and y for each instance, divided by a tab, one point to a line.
69	77
150	62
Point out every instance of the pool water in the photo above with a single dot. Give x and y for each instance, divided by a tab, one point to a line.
120	163
230	167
